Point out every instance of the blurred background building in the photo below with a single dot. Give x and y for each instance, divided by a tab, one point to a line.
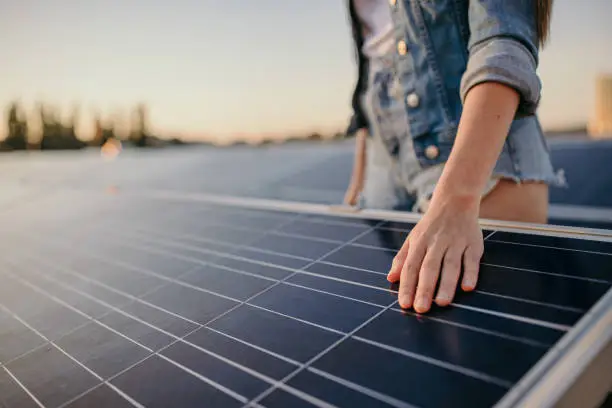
600	124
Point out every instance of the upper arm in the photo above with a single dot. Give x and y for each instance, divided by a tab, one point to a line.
503	48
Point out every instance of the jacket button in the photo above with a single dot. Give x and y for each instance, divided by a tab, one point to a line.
432	152
412	100
401	48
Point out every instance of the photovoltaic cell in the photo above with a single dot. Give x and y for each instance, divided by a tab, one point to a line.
188	303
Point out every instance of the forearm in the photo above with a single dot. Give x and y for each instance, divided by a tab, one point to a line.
488	112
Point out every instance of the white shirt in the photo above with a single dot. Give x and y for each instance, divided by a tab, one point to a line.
377	26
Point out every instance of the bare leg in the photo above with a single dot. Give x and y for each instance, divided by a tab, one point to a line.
510	201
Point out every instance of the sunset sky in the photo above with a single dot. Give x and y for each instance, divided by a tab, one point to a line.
225	67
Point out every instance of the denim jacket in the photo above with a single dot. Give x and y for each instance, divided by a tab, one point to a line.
444	48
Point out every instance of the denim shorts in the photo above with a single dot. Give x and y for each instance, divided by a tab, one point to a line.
395	178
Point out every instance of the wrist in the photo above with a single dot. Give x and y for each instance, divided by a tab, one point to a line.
458	199
460	185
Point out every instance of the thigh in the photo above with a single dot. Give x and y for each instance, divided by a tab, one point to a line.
520	202
382	189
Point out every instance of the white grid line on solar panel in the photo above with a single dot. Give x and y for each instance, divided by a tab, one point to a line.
140	231
117	390
283	315
331	220
250	247
308	237
90	319
486	311
78	327
346	383
374	394
533	302
304	396
283	233
58	348
484	331
558	275
43	345
298	393
187	246
238	271
69	306
153	353
128	368
465	371
552	247
197	288
505	315
486	238
211	251
423	358
24	388
318	356
97	321
535	322
204	208
477	329
211	263
401	217
200	289
528	342
365	302
256	347
277	231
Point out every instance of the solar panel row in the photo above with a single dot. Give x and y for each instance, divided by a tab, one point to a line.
145	302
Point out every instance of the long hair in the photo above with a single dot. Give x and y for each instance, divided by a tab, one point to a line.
543	13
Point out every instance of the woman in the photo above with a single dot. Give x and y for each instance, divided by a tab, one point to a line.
445	102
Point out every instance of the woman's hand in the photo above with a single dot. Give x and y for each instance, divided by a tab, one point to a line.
447	237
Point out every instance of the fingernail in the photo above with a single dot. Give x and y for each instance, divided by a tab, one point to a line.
469	283
442	298
421	303
404	302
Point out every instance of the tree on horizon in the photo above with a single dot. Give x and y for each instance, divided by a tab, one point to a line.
17	136
140	132
56	135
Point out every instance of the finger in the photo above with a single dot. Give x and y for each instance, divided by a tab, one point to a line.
349	198
451	269
428	277
471	267
398	263
410	274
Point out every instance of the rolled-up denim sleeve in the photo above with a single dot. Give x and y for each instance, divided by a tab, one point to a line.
503	48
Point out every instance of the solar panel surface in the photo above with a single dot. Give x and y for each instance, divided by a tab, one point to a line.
134	300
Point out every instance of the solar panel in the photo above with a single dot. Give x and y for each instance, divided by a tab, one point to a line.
163	299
